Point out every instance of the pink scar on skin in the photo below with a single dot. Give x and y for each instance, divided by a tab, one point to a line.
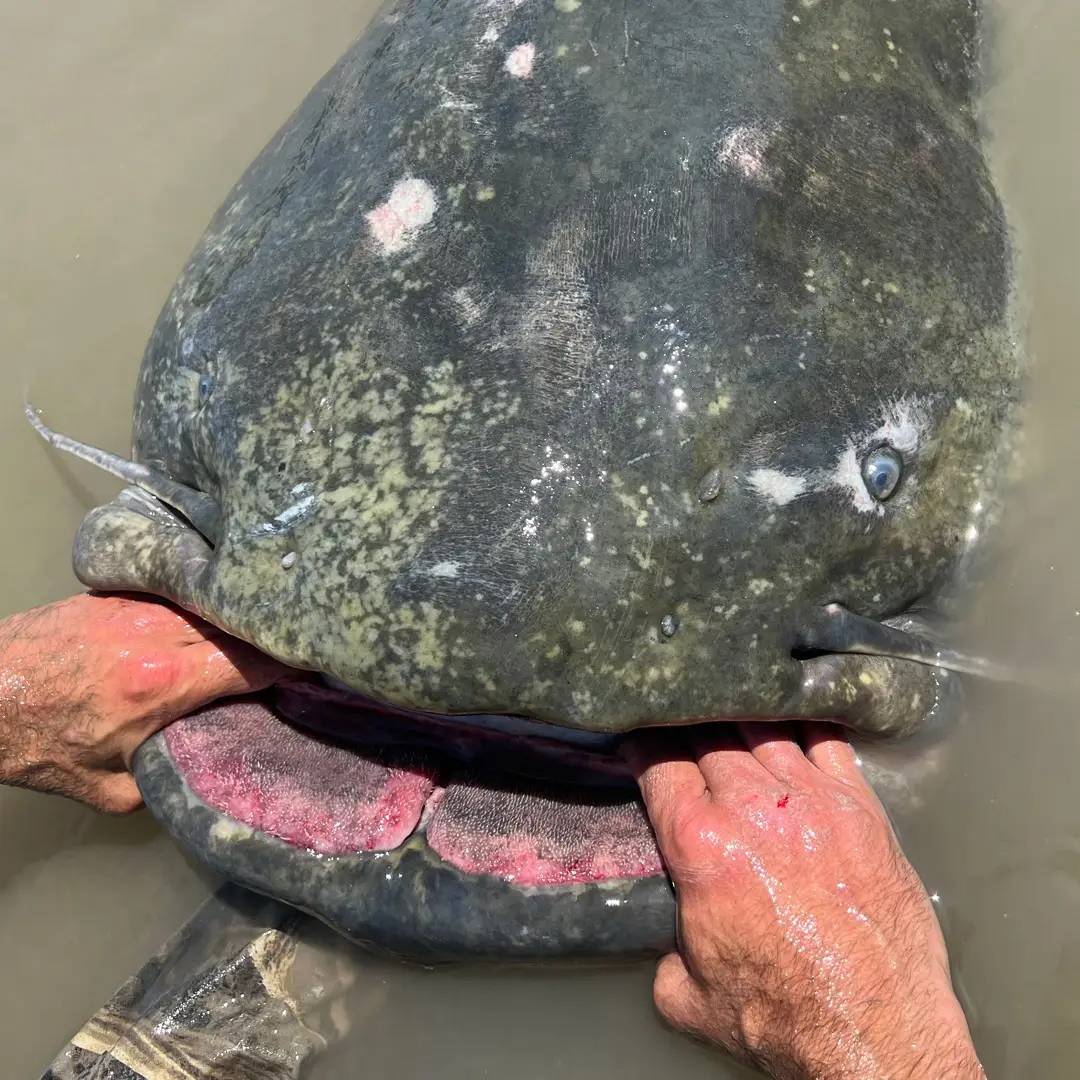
743	149
519	61
410	207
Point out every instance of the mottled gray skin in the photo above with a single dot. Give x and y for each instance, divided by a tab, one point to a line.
671	276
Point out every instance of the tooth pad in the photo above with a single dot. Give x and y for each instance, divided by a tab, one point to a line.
243	761
533	837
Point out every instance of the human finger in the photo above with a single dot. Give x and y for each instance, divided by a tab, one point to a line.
828	749
668	776
176	683
675	993
773	745
143	614
118	794
723	757
225	668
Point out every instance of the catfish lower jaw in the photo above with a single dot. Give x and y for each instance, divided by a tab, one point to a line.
413	843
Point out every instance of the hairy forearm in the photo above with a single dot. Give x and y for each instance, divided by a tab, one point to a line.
951	1060
17	691
882	1045
37	699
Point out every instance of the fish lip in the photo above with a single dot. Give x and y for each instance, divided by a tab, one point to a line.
845	660
494	743
502	723
510	725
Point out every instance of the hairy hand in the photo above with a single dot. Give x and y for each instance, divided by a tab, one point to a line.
808	946
84	681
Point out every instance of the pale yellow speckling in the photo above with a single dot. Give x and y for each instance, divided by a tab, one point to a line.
226	830
720	404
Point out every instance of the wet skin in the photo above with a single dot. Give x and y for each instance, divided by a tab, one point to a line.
85	681
807	944
602	365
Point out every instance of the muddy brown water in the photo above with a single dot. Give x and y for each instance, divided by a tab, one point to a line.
122	126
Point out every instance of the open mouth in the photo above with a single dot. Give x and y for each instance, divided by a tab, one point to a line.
335	775
429	836
438	837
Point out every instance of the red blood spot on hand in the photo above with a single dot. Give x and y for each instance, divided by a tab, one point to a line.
781	803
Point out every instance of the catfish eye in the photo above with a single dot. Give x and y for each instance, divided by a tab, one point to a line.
881	471
206	384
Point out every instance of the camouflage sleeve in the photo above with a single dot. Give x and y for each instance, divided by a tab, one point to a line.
223	998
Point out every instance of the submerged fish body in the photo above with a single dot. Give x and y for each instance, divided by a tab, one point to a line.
565	361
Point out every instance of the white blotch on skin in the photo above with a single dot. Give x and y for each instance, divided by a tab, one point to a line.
848	475
742	150
445	570
903	427
779	488
520	59
410	206
295	512
468	309
292	515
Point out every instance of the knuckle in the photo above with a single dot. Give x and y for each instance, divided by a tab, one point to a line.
669	993
148	676
120	805
78	735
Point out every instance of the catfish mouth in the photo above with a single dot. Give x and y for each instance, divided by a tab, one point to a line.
450	837
336	774
430	838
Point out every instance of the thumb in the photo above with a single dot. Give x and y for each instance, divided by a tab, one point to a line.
225	668
676	994
202	673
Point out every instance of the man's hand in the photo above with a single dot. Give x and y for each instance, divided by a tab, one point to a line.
85	681
808	946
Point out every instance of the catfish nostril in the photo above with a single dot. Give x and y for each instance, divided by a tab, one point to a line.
712	483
